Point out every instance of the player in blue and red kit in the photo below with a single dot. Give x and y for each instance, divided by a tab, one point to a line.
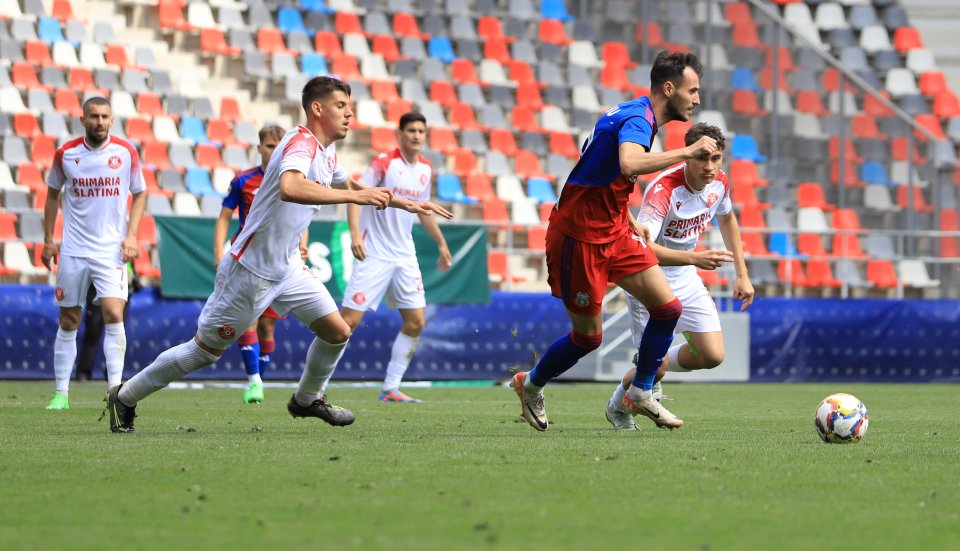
256	343
590	242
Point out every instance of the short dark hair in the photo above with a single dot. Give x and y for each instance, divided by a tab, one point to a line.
95	100
411	117
320	88
271	131
701	129
670	67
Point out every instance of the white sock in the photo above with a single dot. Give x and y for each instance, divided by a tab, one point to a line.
255	378
64	354
403	348
529	387
169	366
114	348
637	394
322	358
673	360
617	397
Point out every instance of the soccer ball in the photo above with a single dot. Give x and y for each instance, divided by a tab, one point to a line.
841	418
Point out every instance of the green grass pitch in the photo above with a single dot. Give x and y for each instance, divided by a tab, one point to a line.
459	471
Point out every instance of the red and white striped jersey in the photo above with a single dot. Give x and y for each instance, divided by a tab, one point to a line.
386	232
95	185
269	243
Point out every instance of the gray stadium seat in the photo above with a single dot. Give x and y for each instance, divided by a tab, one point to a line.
17	200
103	33
171	180
39	101
862	16
161	83
300	42
471	94
456	8
31	227
376	22
53	77
135	81
462	27
15	151
474	141
55	125
181	155
75	32
880	245
11	51
469	49
496	164
230	17
22	29
522	9
524	50
413	48
158	205
535	142
255	65
502	95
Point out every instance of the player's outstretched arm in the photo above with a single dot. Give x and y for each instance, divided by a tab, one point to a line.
220	233
50	248
635	160
423	208
296	188
742	287
130	249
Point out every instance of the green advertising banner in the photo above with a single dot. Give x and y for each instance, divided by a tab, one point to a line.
186	259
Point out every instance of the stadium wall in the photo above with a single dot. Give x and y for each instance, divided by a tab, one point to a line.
792	340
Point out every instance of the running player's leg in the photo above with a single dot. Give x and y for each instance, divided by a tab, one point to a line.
110	278
406	293
266	329
73	279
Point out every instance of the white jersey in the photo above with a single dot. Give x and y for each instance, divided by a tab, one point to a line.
677	214
386	232
95	185
269	243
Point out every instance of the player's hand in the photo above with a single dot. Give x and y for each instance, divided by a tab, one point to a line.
641	229
703	147
743	291
358	249
129	249
445	260
711	259
428	208
375	196
49	255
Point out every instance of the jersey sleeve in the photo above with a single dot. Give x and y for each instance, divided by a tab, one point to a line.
653	209
137	183
298	155
232	200
726	205
376	172
636	130
340	175
56	177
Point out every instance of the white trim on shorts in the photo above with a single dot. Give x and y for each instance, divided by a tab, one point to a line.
372	279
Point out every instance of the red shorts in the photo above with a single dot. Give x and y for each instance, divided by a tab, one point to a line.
578	272
272	314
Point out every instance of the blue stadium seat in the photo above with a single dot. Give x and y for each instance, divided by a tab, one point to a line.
541	190
312	64
555	9
49	30
873	172
745	147
780	243
449	189
198	182
319	6
289	19
192	129
742	78
441	48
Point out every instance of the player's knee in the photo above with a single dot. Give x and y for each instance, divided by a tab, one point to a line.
413	327
70	319
336	335
709	359
587	342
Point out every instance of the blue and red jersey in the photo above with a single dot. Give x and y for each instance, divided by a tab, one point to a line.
593	204
243	188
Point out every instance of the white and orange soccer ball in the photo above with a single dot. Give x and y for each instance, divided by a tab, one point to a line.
841	418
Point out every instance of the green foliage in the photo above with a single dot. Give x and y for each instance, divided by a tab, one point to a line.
206	471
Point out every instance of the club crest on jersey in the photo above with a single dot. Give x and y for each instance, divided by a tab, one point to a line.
423	179
59	293
359	298
114	162
227	332
712	198
582	300
331	162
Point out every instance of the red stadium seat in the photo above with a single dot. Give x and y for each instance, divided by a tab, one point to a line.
766	79
873	107
810	244
220	132
932	82
919	202
29	175
397	109
62	10
562	143
931	123
81	80
495	212
898	150
155	155
479	185
386	46
384	91
116	55
946	105
463	117
230	109
147	233
385	139
8	226
831	81
171	17
444	140
208	156
652	32
792	271
545	210
213	41
24	75
527	165
847	245
464	71
615	77
66	101
552	31
327	43
744	102
38	53
270	41
140	130
738	13
497	50
949	221
785	60
753	244
346	22
521	73
465	164
143	265
528	96
808	101
149	105
489	29
751	218
849	151
443	92
819	274
810	194
745	35
25	125
43	150
504	141
906	39
345	66
405	24
745	197
865	126
744	172
881	274
845	219
525	120
537	238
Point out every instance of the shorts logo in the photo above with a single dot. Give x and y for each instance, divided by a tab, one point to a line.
59	293
359	298
582	300
227	332
711	199
114	162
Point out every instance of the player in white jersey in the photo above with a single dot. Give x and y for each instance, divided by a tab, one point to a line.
95	175
677	207
264	267
383	246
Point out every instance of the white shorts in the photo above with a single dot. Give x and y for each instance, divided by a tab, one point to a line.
699	312
240	296
373	278
109	277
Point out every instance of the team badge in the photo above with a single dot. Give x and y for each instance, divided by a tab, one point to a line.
59	293
423	179
582	300
114	162
711	199
359	298
227	332
331	162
